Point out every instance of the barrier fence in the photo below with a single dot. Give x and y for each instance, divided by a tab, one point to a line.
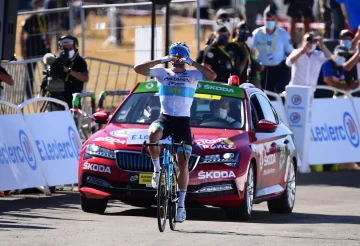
38	149
42	149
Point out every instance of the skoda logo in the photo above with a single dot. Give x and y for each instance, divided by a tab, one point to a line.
295	117
27	149
149	85
75	141
351	129
296	99
198	86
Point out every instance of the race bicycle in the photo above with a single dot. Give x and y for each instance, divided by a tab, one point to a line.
167	192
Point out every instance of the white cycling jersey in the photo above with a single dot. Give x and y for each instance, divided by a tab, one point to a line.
176	90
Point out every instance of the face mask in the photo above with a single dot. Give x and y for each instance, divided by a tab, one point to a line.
220	113
71	53
223	40
340	60
347	43
313	47
243	37
270	25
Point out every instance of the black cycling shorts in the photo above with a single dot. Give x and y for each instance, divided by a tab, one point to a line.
176	126
300	9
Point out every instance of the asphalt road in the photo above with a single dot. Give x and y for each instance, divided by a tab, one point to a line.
327	212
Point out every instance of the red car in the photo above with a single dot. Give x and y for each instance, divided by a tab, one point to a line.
242	153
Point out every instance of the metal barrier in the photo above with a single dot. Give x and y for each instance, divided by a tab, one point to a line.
107	75
104	94
20	72
57	22
87	125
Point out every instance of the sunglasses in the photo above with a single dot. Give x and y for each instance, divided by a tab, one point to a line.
179	52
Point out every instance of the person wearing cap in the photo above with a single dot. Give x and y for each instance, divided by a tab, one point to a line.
217	57
222	18
306	62
75	67
246	66
273	44
349	39
333	73
34	42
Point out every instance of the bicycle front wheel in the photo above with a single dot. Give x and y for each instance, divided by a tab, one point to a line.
162	200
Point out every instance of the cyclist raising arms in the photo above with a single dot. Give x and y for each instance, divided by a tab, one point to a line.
177	88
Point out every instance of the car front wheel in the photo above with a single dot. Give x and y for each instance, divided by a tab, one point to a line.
243	212
95	206
285	203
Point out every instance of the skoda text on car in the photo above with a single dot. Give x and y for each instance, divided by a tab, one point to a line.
242	153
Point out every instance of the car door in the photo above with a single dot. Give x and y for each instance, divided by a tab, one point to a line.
268	147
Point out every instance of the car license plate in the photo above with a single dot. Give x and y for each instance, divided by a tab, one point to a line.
145	178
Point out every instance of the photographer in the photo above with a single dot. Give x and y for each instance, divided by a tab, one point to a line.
69	68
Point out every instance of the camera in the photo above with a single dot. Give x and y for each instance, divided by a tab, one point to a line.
54	73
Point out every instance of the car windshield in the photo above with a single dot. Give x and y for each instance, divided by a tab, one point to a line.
207	111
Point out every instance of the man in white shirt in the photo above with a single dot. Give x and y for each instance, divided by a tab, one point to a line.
306	62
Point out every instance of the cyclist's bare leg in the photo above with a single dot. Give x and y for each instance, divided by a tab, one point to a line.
183	179
155	134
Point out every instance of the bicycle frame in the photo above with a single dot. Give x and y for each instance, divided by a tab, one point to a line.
168	164
168	161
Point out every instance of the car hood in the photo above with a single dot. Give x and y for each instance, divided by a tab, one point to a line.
208	140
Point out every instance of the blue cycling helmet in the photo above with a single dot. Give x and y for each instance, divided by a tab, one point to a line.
181	48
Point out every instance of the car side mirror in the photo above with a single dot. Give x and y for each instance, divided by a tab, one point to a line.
266	126
101	117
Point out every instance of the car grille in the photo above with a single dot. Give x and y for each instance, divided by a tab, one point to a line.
134	161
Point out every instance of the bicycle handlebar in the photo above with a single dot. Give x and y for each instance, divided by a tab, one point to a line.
166	145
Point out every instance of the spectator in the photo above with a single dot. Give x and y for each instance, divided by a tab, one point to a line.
348	39
333	74
217	57
325	13
222	18
273	45
246	66
298	9
337	18
36	43
306	61
253	8
6	78
59	22
351	10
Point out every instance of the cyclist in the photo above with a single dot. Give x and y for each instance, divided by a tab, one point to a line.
176	90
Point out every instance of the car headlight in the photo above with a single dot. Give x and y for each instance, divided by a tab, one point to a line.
230	159
93	150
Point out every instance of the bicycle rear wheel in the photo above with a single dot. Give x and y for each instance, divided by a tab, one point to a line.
173	201
162	200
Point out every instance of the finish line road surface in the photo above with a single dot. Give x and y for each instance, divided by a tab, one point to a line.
327	212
